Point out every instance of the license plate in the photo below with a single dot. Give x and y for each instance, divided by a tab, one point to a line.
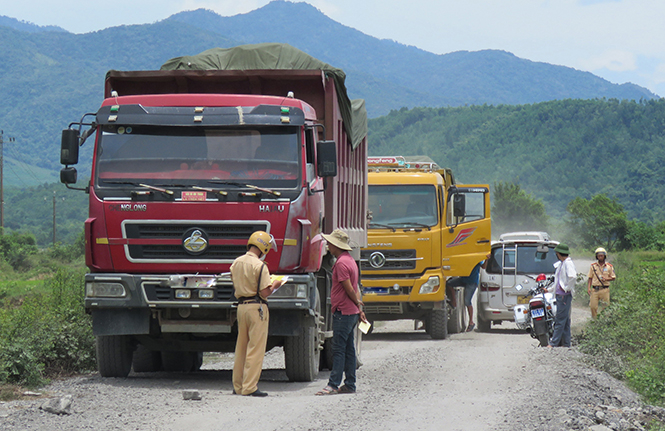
523	299
194	282
538	312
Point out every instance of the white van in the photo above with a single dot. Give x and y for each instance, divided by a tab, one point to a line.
517	258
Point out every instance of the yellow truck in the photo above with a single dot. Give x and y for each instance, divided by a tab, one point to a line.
424	228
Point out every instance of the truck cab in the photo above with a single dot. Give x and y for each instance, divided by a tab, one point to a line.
424	228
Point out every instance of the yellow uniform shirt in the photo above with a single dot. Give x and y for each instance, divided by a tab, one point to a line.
598	272
245	275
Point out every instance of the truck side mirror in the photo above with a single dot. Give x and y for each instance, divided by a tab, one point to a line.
326	152
69	149
68	175
459	205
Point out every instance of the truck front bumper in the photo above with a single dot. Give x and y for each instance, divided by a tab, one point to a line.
132	304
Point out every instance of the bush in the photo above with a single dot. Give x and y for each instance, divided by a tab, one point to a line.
46	334
628	337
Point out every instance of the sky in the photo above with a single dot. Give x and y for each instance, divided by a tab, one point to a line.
619	40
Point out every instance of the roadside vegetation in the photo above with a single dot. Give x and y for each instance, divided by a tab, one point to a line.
627	340
44	331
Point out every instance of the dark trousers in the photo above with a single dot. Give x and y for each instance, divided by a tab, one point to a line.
561	336
344	351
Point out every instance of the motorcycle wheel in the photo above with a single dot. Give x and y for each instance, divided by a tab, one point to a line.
544	340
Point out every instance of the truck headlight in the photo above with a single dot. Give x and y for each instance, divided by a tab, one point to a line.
431	285
183	294
291	291
104	289
206	293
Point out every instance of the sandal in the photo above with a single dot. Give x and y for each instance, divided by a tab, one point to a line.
470	328
345	390
328	390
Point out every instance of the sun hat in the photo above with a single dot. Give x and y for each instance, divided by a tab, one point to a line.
339	239
562	248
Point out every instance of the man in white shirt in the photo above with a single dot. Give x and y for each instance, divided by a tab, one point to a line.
564	282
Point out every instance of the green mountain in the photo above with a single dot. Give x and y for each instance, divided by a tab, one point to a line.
49	78
555	150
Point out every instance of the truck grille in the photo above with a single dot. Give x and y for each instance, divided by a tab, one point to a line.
179	230
383	308
157	292
400	260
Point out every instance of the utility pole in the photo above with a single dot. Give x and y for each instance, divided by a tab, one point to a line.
54	219
2	189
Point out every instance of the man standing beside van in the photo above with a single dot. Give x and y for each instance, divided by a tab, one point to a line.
601	273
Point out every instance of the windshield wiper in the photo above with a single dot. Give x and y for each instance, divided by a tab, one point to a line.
249	186
382	225
147	186
411	223
190	186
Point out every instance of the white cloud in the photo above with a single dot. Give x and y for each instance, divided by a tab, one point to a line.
614	60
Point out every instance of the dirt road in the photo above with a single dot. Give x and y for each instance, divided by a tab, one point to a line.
471	381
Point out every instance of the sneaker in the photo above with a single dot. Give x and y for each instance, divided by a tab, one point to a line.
258	393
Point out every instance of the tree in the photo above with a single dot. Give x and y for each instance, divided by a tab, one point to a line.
515	210
599	221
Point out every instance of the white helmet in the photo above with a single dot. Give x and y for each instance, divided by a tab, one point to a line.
600	250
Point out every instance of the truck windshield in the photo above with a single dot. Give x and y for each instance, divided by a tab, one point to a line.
263	156
403	205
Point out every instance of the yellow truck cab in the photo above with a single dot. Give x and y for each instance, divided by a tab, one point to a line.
423	228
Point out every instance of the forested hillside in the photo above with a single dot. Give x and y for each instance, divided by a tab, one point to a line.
50	78
555	150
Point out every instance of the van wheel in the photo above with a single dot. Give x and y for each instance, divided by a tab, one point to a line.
438	324
484	325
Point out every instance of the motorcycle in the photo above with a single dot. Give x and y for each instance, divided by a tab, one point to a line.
537	317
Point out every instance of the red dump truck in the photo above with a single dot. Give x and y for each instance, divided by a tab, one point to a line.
189	161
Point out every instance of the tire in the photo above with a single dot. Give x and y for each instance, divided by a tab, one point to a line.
358	341
146	361
114	355
456	316
483	325
544	340
198	361
302	355
438	324
178	362
327	355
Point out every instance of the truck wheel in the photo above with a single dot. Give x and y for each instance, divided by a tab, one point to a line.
438	324
457	316
327	355
114	355
178	362
146	361
301	355
358	341
483	325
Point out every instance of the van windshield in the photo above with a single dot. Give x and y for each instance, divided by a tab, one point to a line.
402	205
264	156
528	259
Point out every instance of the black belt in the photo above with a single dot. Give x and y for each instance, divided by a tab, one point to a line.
600	287
251	300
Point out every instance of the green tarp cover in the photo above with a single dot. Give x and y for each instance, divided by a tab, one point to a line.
279	56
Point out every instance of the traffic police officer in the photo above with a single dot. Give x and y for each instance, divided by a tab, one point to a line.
252	285
598	284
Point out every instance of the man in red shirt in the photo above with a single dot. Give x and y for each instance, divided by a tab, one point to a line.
345	306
